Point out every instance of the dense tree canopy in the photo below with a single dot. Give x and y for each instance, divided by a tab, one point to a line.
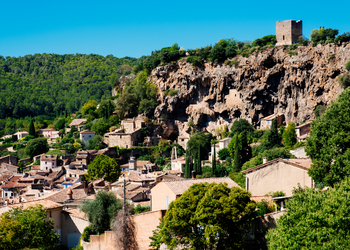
49	84
27	228
208	215
241	125
289	135
103	167
328	145
314	220
36	147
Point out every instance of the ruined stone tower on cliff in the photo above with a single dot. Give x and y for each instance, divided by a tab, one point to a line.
288	32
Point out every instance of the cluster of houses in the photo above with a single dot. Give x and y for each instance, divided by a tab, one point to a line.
58	183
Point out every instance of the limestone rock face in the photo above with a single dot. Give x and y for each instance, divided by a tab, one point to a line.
267	82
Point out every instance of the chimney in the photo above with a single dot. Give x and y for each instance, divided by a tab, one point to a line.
264	160
193	174
70	194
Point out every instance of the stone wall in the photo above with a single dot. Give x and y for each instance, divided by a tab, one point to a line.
101	242
9	159
288	32
126	140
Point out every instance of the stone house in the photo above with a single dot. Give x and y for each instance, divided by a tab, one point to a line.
21	134
178	164
266	122
303	131
9	159
79	123
223	143
182	141
86	135
278	175
126	137
167	191
8	167
48	162
47	132
12	188
288	32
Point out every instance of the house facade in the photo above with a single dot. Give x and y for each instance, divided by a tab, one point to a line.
48	162
86	135
266	122
278	175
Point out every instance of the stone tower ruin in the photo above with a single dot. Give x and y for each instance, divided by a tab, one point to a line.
288	32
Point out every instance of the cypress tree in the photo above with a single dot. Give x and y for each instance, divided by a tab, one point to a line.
31	129
199	165
213	163
187	167
273	138
237	159
246	150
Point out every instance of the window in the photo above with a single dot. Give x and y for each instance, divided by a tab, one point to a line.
283	37
50	214
45	162
166	202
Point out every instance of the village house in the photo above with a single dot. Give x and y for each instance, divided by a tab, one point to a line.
79	123
21	134
223	143
8	167
266	122
12	188
135	165
182	141
86	135
165	192
299	152
127	136
278	175
48	162
303	131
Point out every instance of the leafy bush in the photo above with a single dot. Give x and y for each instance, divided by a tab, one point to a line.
319	110
278	194
344	38
266	40
195	60
140	209
347	66
264	207
223	153
170	92
146	158
322	36
344	80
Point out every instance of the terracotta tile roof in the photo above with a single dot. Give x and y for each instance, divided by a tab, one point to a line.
134	176
47	204
270	117
76	213
13	183
139	164
225	139
181	160
77	122
61	196
9	165
180	186
36	167
48	157
303	163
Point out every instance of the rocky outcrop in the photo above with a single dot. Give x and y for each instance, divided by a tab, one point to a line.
267	82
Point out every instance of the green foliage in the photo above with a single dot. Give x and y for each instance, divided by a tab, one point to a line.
328	144
91	105
289	135
106	108
101	126
323	36
264	207
170	92
27	228
319	110
314	220
241	125
273	137
199	140
96	143
36	147
237	155
146	158
343	38
100	212
347	66
278	194
51	84
266	40
344	80
195	60
156	239
271	154
55	152
31	129
140	209
208	215
238	178
223	153
103	167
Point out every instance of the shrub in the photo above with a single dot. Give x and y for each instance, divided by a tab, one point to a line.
319	110
347	66
264	207
293	46
344	80
269	39
195	60
278	194
170	92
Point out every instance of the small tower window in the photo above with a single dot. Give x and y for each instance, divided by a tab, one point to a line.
283	37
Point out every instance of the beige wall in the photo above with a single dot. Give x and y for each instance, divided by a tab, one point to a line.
234	98
47	164
145	223
158	196
124	140
101	242
276	177
56	216
84	137
288	32
71	225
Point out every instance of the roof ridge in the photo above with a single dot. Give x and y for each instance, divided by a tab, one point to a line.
211	178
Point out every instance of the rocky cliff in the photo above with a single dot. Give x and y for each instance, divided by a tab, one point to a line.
266	83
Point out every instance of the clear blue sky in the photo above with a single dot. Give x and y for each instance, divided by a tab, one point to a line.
135	28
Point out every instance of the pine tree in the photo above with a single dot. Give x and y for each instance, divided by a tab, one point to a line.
237	157
213	163
31	129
